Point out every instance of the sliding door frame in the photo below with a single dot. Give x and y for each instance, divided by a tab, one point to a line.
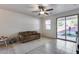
65	27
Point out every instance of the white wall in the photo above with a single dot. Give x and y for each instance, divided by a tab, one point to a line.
52	33
12	22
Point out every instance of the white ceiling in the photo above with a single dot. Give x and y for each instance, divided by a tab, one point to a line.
28	8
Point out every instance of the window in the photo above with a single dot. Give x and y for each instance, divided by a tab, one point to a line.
48	24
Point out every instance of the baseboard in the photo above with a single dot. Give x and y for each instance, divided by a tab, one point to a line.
48	37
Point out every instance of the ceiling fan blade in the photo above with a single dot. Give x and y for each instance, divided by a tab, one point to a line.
46	13
49	9
41	7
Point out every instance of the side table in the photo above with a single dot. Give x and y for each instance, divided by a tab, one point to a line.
4	40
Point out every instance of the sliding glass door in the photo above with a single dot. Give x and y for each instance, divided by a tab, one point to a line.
61	28
67	27
71	27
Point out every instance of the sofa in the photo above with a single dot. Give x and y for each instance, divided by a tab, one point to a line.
27	36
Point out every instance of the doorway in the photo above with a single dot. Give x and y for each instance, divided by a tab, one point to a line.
67	28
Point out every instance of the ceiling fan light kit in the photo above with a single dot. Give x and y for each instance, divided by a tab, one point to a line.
43	10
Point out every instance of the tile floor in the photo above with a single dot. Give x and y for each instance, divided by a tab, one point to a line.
41	46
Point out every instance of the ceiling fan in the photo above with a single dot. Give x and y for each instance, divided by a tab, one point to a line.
43	10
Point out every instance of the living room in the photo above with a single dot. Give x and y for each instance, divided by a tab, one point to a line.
34	28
